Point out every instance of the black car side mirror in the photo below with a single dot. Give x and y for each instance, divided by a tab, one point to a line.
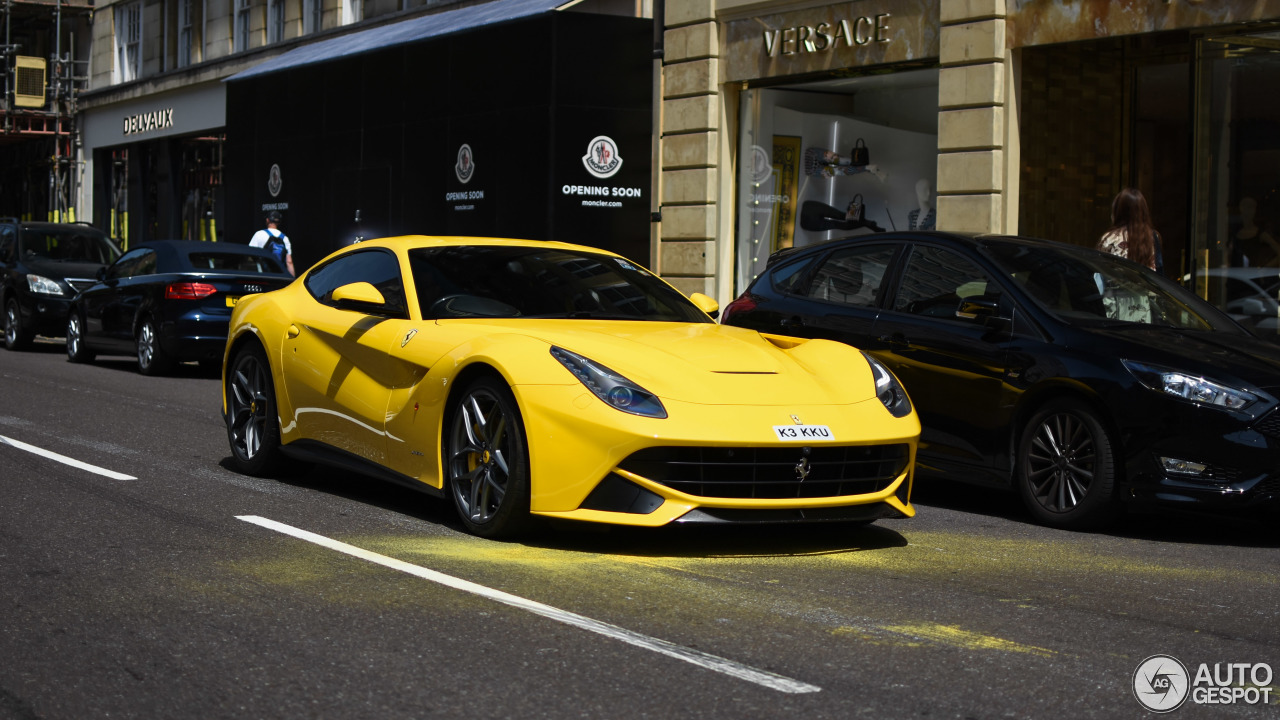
983	309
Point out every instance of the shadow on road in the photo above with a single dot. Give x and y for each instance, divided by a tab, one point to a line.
1156	524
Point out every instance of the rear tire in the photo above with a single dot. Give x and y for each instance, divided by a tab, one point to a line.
253	423
77	350
1066	467
151	356
486	460
16	337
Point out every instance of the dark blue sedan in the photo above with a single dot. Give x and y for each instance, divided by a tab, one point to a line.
168	301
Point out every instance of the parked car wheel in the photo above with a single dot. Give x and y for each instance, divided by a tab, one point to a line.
253	428
1066	467
151	357
77	352
487	460
16	337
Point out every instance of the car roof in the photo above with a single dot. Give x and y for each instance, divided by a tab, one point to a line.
971	240
36	225
193	245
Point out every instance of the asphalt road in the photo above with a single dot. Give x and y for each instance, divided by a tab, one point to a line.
172	587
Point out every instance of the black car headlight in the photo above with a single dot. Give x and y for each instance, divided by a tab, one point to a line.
888	389
1190	387
609	386
43	285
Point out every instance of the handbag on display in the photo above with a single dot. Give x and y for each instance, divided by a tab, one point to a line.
857	210
860	156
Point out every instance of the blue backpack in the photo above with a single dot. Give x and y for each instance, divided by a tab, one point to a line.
275	243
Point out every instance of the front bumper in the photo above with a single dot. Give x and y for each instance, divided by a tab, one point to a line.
594	463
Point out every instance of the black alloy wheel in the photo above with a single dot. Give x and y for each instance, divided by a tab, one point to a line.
487	460
253	428
77	351
151	357
1066	467
16	337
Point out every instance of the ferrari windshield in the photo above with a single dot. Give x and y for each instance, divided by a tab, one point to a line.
69	244
1083	287
503	281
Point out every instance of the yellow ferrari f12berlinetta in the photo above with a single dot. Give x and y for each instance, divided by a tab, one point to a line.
529	379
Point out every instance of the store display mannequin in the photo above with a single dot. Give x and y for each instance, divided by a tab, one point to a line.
1253	245
923	217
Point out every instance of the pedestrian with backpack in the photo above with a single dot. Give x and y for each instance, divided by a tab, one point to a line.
276	241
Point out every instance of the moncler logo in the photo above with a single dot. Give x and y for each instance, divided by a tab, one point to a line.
465	167
274	181
602	158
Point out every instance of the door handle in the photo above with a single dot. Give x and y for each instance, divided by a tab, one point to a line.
795	321
294	331
896	339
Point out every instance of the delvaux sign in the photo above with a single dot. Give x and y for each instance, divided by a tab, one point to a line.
148	121
849	34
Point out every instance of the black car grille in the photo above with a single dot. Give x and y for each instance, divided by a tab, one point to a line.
80	284
772	473
1269	425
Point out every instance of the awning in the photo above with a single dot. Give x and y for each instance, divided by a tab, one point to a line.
403	32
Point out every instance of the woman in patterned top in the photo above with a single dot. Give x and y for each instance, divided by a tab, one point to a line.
1131	235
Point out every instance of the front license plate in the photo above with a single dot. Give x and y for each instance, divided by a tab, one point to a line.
232	300
805	433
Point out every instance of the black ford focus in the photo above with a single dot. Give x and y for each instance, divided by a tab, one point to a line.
1074	377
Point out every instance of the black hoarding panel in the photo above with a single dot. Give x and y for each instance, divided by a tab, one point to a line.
384	133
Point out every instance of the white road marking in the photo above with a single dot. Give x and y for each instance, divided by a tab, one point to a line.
689	655
64	459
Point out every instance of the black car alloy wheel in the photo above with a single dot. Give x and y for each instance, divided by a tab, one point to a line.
151	357
77	351
487	460
252	427
1066	466
16	337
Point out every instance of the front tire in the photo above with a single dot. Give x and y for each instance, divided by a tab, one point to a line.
486	460
77	350
1066	467
16	336
152	359
253	425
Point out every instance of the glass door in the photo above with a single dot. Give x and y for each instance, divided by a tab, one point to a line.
1235	228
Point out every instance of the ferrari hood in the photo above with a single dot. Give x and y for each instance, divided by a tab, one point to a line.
716	364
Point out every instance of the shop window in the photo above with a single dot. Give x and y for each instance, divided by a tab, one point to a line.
128	30
1236	220
828	159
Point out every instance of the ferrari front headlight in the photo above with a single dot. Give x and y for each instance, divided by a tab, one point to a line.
43	285
619	392
1190	387
888	389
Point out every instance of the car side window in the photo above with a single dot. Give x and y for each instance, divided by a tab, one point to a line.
787	278
127	265
852	276
937	279
377	267
8	244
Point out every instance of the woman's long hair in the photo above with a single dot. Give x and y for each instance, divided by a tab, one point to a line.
1129	214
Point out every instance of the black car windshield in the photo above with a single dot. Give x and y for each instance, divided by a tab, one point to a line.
1084	287
68	244
502	281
